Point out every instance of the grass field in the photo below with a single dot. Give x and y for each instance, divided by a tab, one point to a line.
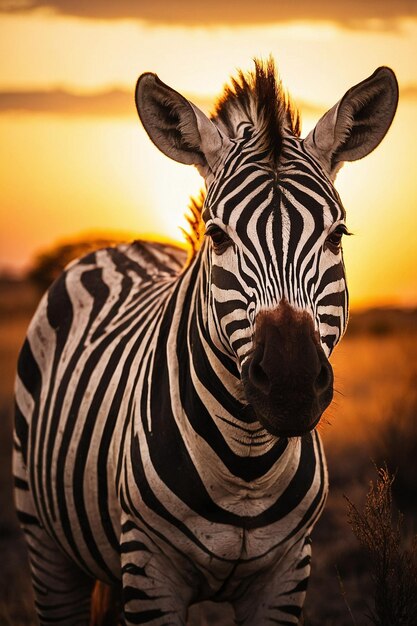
371	419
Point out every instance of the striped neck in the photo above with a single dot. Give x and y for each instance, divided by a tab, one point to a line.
208	382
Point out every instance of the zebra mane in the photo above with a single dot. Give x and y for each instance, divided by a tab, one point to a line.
194	235
258	97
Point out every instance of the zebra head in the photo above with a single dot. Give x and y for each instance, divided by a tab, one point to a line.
276	295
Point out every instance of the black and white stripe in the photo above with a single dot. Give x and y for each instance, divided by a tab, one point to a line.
138	459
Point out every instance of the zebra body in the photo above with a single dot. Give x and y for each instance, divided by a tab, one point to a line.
165	411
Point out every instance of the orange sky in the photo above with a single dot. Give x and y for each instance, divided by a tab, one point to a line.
74	159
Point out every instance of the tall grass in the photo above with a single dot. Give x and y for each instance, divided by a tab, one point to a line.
392	565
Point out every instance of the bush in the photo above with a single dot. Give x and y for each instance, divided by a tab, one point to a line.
393	568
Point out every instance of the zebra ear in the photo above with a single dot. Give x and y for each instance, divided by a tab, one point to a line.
357	123
177	127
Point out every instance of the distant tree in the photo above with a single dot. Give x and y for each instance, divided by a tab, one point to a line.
49	264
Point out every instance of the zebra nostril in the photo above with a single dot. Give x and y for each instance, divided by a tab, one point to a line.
324	379
258	377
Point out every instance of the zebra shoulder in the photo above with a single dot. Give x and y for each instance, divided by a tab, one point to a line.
89	291
143	260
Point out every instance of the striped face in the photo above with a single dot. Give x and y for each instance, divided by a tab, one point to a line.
278	292
274	236
274	276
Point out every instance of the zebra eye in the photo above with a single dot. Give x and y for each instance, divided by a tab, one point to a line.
219	239
334	240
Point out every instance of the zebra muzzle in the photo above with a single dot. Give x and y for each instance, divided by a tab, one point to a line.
287	379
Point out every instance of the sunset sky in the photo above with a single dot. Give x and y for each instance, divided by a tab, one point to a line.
74	159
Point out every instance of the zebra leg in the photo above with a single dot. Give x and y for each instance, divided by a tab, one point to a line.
154	592
62	590
277	596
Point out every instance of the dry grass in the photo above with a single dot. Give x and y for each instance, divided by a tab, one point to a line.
393	568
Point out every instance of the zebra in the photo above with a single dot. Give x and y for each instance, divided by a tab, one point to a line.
166	406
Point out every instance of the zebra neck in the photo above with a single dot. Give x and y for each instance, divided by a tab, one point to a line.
203	383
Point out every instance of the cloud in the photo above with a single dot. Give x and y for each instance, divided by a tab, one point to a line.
409	92
120	102
110	103
350	13
116	102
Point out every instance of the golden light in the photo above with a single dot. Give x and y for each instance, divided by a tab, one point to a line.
61	176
